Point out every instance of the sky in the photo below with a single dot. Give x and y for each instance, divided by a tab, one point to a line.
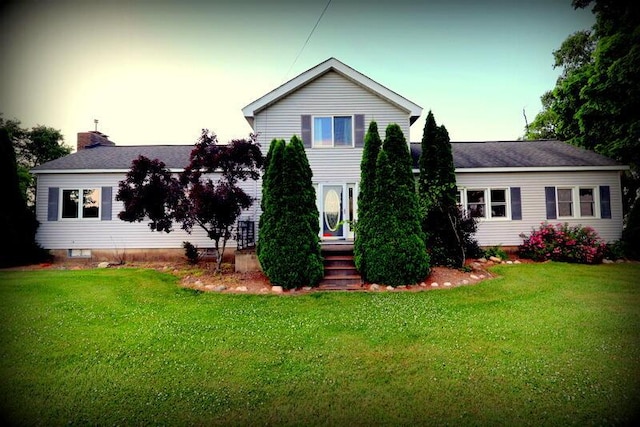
157	72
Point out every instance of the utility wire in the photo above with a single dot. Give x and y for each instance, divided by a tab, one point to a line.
308	38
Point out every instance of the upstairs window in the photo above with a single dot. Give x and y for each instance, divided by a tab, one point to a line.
333	131
81	203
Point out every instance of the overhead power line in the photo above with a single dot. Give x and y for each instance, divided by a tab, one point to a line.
307	40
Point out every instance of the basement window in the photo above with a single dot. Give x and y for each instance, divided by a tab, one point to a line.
79	253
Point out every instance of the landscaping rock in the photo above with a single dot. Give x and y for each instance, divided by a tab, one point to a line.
423	285
476	266
509	262
474	277
434	285
307	288
495	259
482	260
198	283
401	287
277	289
607	261
374	287
465	282
447	283
619	261
242	289
219	288
103	265
390	288
517	262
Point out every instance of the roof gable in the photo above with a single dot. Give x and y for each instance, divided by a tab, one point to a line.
344	70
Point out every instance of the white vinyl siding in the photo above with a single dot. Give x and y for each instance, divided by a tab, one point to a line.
115	234
532	189
329	95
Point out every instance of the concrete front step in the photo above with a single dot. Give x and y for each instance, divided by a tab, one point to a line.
341	281
339	268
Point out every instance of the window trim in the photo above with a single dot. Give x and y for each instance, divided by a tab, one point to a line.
488	202
80	216
333	135
575	200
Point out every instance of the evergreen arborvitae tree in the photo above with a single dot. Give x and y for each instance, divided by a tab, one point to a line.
372	145
396	253
19	245
448	231
289	246
272	185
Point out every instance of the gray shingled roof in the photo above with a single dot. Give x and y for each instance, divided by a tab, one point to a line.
514	154
120	157
507	154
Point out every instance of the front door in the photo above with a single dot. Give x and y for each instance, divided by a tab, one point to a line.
337	204
332	211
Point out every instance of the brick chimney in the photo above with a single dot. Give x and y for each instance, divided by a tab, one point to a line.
91	139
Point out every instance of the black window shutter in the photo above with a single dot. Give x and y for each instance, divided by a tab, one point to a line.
52	210
550	197
105	206
306	130
516	205
359	130
605	202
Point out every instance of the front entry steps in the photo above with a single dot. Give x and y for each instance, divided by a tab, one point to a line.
339	268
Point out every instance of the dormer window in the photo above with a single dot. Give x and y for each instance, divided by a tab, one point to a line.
333	131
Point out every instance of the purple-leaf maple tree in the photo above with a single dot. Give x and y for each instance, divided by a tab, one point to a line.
206	194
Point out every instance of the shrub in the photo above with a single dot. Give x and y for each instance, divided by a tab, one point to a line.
395	253
191	252
615	250
495	251
562	242
288	245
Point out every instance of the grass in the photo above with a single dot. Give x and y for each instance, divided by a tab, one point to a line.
544	344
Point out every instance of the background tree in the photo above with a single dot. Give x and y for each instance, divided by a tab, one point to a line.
289	246
19	222
205	195
596	100
364	232
396	253
448	230
33	147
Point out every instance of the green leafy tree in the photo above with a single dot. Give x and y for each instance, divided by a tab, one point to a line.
396	253
372	146
19	222
33	147
448	230
289	246
596	98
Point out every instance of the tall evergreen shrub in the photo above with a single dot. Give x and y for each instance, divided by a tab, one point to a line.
289	246
395	253
448	230
364	232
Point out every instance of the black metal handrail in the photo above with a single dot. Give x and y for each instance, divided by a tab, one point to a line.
246	234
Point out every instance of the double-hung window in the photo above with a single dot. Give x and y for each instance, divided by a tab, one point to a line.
576	202
80	203
489	203
333	131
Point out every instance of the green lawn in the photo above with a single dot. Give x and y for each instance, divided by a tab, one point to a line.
544	344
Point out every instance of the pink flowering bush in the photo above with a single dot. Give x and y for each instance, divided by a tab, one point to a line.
562	242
